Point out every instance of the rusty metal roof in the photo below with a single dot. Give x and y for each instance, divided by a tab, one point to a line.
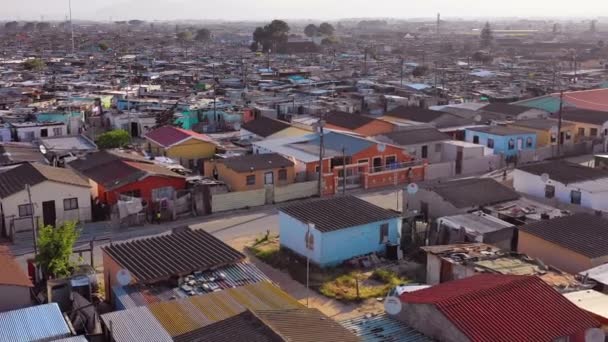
179	253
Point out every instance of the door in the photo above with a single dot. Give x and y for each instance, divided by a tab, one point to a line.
475	139
520	144
459	156
48	213
268	178
134	129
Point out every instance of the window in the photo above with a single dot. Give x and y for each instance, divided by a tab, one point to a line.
549	191
437	148
363	161
132	193
490	143
575	197
511	144
310	241
593	132
25	210
282	175
384	233
581	131
529	142
251	180
553	138
44	133
57	131
568	135
425	152
391	162
70	204
475	139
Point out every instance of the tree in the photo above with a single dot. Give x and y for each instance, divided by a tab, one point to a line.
326	29
271	35
311	30
103	46
486	36
43	26
203	35
55	248
35	64
11	25
254	47
113	139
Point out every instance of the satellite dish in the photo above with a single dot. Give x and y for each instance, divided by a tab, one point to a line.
477	118
545	177
123	277
43	149
237	126
594	335
412	188
381	147
392	305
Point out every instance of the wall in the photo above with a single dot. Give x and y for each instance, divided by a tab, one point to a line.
428	320
433	269
501	142
14	297
388	178
295	191
21	132
292	235
51	191
238	200
237	181
344	244
440	170
552	254
110	270
191	149
145	186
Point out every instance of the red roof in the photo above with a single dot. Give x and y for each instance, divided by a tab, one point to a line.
10	272
495	307
594	99
168	136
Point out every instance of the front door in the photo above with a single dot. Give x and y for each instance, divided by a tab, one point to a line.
268	178
134	129
459	157
48	213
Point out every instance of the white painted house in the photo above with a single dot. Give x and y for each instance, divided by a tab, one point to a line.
565	182
58	195
30	131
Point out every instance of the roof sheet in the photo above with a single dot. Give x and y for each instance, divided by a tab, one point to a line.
414	136
595	99
501	130
154	169
252	162
584	115
591	301
473	192
36	323
491	307
244	326
505	108
348	120
382	328
179	253
168	136
583	233
564	172
10	271
264	126
417	114
598	273
137	324
330	214
15	179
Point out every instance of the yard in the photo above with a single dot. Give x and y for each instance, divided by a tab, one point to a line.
341	283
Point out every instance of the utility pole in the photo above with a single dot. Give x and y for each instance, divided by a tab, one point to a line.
559	122
308	263
321	147
34	226
402	61
71	26
343	170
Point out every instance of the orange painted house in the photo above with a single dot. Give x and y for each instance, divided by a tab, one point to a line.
357	123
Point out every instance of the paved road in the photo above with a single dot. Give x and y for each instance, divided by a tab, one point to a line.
226	226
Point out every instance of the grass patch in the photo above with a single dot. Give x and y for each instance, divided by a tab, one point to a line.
267	250
378	284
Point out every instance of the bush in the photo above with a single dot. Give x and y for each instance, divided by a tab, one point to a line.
55	247
113	139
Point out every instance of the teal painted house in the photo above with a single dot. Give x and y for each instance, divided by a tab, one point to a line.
333	230
503	140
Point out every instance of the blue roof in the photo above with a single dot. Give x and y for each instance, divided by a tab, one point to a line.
382	328
41	322
334	141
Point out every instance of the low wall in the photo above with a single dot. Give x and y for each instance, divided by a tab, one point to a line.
388	178
440	170
295	191
238	200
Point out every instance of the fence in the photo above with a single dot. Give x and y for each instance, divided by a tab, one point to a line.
295	191
237	200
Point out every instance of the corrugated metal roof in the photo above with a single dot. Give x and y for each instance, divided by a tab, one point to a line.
35	323
382	328
79	338
178	317
137	324
227	277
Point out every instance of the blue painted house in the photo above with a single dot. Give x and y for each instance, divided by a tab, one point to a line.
503	140
332	230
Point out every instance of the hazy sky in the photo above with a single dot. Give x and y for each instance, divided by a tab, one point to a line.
300	9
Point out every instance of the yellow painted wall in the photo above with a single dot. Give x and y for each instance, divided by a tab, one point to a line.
587	128
238	181
190	149
543	138
552	254
289	132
